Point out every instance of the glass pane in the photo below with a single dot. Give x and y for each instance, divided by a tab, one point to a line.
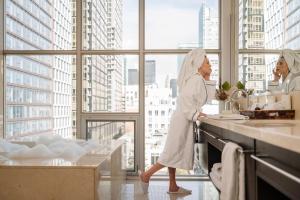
39	95
47	25
108	133
161	73
110	83
269	24
110	24
182	24
255	70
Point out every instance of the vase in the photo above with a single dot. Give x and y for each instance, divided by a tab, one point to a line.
221	106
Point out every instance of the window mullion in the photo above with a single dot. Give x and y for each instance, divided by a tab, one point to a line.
2	96
79	68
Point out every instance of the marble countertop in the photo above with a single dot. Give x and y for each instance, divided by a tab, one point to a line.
281	133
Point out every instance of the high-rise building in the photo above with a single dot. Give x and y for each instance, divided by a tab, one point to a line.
209	34
62	68
132	77
38	87
173	86
95	72
116	93
150	72
208	27
251	36
103	75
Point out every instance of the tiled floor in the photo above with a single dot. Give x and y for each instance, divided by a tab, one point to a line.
130	190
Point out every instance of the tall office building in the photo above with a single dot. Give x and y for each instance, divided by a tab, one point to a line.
282	28
208	27
62	68
116	93
103	76
251	36
95	72
38	87
150	72
132	77
209	34
173	86
73	4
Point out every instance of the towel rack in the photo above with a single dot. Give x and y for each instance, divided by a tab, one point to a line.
239	150
277	169
222	141
214	137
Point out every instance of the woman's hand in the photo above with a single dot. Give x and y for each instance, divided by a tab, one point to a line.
201	115
207	77
276	73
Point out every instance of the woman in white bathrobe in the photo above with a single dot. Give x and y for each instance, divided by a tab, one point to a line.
178	150
287	69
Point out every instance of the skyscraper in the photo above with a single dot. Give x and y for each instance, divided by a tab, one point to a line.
173	86
62	68
251	36
103	75
208	27
132	77
150	72
209	34
38	87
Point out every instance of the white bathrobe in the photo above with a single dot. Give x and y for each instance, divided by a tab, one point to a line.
178	150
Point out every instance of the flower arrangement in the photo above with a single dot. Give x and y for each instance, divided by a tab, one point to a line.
226	89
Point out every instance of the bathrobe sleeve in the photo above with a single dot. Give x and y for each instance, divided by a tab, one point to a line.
295	84
193	97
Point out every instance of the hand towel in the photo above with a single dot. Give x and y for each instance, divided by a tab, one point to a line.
217	181
217	170
233	173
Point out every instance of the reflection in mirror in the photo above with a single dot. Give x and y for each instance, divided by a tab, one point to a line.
286	73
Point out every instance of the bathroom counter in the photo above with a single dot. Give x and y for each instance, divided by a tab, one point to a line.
281	133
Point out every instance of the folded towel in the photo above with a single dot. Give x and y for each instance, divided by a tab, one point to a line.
215	180
227	116
217	167
233	173
217	170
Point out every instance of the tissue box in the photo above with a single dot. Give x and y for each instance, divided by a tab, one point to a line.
269	114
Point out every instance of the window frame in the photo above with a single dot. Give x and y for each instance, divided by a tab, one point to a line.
226	27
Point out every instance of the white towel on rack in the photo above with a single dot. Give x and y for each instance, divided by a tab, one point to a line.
217	170
216	180
233	173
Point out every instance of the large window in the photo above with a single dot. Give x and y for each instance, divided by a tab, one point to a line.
103	69
110	83
113	135
161	92
265	26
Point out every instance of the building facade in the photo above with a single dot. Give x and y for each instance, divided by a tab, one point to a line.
252	70
38	87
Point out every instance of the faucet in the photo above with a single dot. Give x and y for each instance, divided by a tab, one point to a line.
233	101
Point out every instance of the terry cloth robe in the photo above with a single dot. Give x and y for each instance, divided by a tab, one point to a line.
179	147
